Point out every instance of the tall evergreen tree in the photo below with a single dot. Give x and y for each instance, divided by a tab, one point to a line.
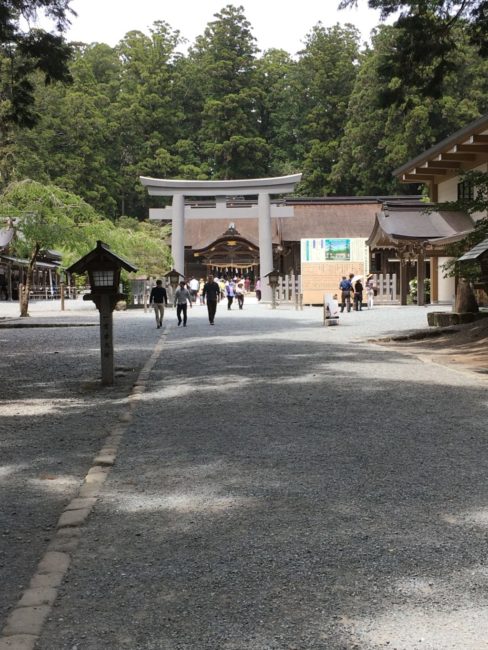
427	33
379	138
325	76
24	52
278	110
229	134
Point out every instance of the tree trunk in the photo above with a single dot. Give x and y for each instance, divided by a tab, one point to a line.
465	298
24	297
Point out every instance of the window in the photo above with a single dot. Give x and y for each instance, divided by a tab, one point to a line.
465	191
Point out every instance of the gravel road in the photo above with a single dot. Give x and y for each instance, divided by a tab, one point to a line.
281	485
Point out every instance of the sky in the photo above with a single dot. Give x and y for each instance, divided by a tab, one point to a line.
275	23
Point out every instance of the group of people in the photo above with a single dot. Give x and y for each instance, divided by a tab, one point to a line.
209	292
352	288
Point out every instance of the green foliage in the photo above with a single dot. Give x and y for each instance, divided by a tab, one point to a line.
377	139
324	78
427	42
24	52
413	289
48	217
226	111
223	64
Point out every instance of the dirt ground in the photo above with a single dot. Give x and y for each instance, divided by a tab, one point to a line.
461	346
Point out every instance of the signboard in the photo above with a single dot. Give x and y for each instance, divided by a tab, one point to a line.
321	250
325	260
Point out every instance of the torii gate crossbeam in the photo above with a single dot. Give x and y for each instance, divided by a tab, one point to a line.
263	188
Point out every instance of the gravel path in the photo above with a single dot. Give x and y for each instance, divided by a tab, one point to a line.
281	485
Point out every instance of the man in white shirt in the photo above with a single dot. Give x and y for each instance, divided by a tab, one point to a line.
182	297
194	287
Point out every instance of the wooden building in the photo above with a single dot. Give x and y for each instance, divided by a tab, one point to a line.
440	169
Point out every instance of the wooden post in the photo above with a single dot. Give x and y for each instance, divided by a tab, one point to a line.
144	296
106	340
61	295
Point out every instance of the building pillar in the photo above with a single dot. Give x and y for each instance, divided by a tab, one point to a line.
178	233
420	278
403	281
434	280
446	286
265	244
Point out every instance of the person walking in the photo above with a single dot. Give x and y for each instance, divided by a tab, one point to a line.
200	291
230	293
211	295
240	293
358	296
182	298
158	299
257	289
194	287
346	287
370	290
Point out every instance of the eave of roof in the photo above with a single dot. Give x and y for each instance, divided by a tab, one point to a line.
476	252
463	149
211	241
22	262
421	223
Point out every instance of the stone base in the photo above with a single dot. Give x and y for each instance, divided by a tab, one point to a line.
447	318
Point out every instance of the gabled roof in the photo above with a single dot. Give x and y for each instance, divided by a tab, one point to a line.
6	236
463	150
421	222
476	252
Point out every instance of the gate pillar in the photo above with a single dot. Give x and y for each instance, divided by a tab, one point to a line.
265	244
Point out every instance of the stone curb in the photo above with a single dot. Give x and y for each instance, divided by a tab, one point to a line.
73	518
18	642
26	620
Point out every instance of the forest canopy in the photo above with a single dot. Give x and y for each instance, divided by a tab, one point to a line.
340	111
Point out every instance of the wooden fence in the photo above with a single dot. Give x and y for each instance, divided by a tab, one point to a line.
289	290
386	289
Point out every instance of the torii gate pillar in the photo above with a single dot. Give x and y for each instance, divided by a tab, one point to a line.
178	233
220	190
265	244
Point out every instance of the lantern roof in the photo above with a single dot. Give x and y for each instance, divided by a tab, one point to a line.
101	255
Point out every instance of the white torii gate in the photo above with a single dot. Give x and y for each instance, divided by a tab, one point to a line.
263	188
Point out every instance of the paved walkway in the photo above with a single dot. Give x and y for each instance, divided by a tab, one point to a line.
269	484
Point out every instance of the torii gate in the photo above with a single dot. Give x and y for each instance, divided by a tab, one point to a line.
263	188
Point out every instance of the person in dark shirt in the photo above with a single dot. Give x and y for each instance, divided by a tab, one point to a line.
158	299
345	286
358	296
211	295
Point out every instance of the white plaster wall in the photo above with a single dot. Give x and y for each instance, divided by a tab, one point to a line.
447	191
447	286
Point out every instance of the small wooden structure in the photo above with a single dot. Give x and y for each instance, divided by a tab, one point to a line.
479	253
103	268
407	231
